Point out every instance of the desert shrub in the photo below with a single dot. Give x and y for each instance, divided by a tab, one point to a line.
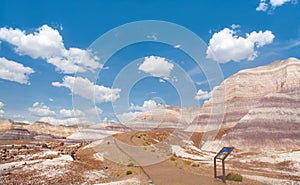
187	162
117	174
129	172
176	163
172	158
234	177
195	165
132	163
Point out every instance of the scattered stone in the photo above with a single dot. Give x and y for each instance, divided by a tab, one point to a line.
44	145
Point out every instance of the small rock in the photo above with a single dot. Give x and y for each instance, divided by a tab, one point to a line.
44	145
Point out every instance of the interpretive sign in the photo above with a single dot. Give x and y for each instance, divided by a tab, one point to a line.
222	155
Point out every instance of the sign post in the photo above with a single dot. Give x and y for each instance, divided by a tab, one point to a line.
222	155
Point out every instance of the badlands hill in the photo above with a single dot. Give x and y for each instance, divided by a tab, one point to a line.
261	107
258	107
16	130
164	117
54	130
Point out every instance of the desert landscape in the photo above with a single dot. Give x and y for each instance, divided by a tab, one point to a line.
171	145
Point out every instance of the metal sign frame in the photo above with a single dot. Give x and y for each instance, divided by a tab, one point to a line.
222	155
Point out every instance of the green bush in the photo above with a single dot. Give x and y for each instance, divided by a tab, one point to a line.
187	162
128	172
172	158
234	177
195	165
132	163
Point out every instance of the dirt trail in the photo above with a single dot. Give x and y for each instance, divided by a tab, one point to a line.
166	173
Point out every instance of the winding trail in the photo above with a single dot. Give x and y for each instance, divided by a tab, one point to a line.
165	172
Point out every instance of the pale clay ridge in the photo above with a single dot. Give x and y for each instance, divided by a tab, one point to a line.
277	65
243	91
230	101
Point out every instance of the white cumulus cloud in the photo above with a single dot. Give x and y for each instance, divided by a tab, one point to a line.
264	5
86	89
225	45
67	121
147	105
47	43
14	71
261	38
275	3
135	110
125	117
157	67
40	110
1	111
67	113
202	95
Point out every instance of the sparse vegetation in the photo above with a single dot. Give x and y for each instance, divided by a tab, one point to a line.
234	177
187	162
195	165
132	163
172	158
129	172
140	135
176	163
117	174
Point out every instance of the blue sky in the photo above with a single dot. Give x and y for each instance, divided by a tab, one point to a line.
46	46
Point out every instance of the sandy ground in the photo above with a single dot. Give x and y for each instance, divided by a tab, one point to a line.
110	159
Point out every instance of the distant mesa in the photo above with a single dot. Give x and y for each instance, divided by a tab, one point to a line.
16	134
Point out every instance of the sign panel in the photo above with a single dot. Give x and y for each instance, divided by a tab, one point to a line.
224	152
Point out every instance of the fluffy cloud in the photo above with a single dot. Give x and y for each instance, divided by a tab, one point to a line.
264	5
261	38
13	71
71	113
147	105
68	121
125	117
135	110
88	90
40	110
157	67
225	45
202	95
47	43
276	3
1	111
